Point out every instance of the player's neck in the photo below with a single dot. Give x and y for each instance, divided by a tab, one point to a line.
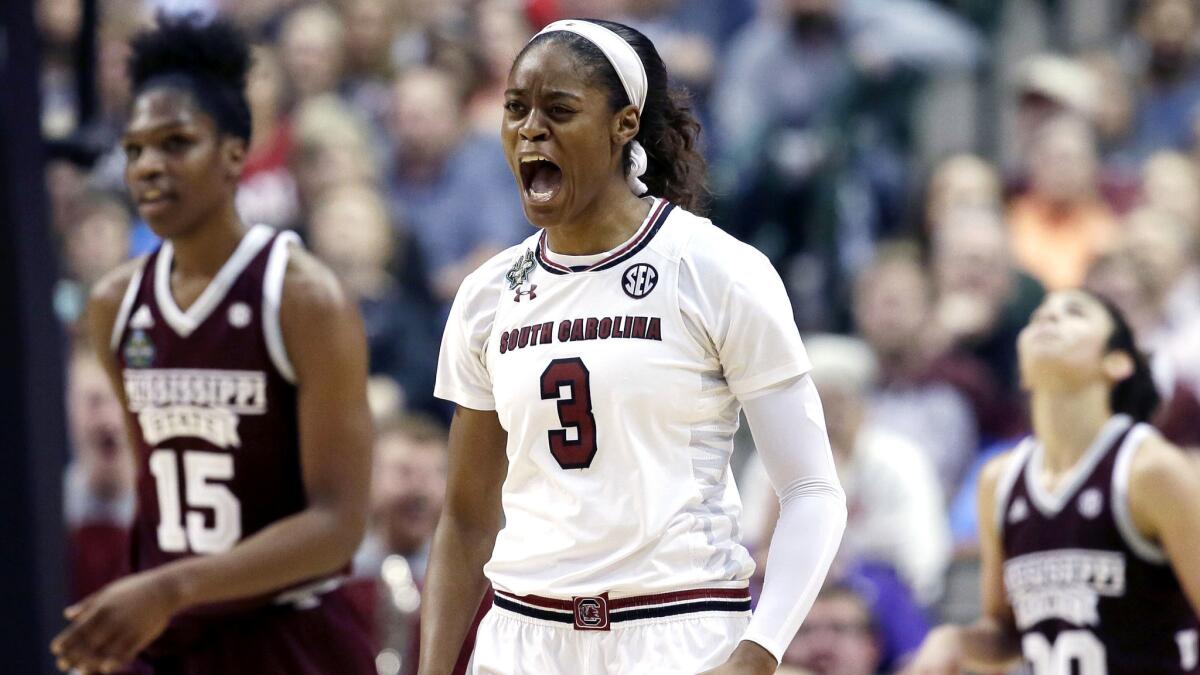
1066	421
610	220
203	250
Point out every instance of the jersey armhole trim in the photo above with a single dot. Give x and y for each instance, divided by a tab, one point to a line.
272	299
1008	480
131	292
1122	514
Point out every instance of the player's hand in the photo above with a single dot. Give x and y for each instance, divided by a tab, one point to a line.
747	659
110	627
940	653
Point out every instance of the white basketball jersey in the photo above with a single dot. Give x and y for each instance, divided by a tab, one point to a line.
617	377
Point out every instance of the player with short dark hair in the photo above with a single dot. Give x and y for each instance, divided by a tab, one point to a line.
599	368
242	367
1090	528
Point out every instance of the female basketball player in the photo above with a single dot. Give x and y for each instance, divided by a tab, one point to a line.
599	368
1090	529
243	368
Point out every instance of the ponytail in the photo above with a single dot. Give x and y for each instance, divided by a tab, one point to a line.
670	134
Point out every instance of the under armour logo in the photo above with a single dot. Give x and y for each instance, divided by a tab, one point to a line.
530	293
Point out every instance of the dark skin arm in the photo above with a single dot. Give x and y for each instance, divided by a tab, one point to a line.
325	341
465	537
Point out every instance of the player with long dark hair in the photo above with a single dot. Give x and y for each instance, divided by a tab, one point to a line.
1090	528
599	368
242	366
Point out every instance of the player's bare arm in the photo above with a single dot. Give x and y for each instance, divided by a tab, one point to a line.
70	648
465	536
324	337
1164	496
990	644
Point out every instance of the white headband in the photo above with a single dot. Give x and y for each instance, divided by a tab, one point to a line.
632	73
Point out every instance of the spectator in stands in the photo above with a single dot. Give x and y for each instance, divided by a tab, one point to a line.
983	300
312	49
958	183
452	185
407	492
118	23
1049	86
66	187
896	504
1113	118
371	28
267	193
95	244
425	27
1060	224
1114	110
1169	88
810	113
408	486
839	636
501	31
1171	182
99	482
58	24
916	397
1093	88
1165	246
332	146
352	232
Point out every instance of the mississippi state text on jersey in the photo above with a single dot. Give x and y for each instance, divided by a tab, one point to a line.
1090	595
617	377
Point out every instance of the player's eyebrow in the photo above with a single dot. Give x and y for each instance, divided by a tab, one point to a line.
553	93
152	130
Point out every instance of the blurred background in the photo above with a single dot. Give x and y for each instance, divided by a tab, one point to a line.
920	172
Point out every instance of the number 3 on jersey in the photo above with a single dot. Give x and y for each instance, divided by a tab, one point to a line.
199	467
574	412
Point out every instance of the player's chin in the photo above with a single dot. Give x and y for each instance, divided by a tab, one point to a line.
164	225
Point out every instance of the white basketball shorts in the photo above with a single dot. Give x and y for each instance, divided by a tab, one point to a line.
520	636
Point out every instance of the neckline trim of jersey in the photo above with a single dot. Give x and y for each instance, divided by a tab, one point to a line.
185	323
650	227
1051	503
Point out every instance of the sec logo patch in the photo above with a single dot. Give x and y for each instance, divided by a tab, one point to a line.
638	280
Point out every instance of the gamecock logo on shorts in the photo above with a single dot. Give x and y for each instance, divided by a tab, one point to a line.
591	613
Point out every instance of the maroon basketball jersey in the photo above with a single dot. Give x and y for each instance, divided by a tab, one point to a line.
1090	594
211	402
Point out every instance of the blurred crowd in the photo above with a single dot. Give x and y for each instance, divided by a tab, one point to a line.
921	172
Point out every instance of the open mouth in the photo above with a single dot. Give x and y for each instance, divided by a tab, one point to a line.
540	177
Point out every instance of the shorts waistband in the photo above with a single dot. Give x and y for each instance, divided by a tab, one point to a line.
598	612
